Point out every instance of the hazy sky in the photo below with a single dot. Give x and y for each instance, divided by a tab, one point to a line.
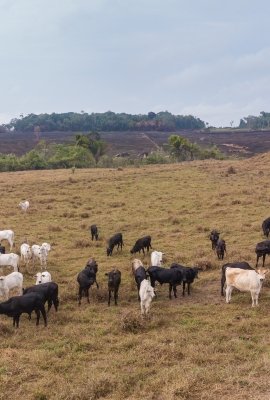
208	58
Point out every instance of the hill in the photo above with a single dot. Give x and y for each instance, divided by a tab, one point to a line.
195	347
243	143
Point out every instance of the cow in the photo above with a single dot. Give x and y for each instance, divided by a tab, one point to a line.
9	282
92	264
26	253
245	281
114	280
94	232
220	249
48	291
214	236
27	303
146	295
162	275
156	258
141	244
41	253
86	278
241	264
24	205
262	249
188	275
43	277
116	239
10	260
266	227
2	249
135	264
7	235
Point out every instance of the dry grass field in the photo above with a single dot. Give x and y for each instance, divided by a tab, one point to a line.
195	347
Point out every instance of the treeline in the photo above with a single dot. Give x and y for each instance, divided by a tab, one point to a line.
253	122
108	121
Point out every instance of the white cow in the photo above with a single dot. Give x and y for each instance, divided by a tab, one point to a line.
7	235
156	258
146	295
41	253
24	205
245	281
11	281
26	253
43	277
10	260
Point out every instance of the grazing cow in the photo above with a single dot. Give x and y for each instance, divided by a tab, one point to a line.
262	249
7	235
146	295
26	253
188	275
24	205
141	244
2	249
10	260
86	278
116	239
245	281
220	249
18	305
156	258
114	280
48	291
266	227
162	275
241	265
94	232
9	282
214	236
43	277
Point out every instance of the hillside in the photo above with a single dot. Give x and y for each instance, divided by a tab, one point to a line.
241	143
195	347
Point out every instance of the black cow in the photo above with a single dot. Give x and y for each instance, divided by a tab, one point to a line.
27	303
141	244
241	265
266	227
86	278
139	275
114	280
2	249
163	275
220	248
94	232
92	264
48	291
262	249
116	239
188	275
214	236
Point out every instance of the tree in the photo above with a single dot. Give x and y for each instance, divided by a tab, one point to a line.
93	143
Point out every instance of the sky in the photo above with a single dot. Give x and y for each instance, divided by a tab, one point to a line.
207	58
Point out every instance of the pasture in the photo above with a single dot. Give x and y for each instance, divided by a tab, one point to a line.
195	347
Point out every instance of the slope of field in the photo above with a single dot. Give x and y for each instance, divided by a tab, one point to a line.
230	142
195	347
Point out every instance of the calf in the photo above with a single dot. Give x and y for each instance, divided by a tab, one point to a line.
7	235
245	281
116	239
262	249
220	249
141	244
86	278
48	291
2	249
24	205
162	275
214	236
266	227
18	305
146	295
114	280
10	260
94	232
11	281
43	277
26	253
156	258
188	275
242	265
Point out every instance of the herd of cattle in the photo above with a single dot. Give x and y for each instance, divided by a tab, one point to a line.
239	275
